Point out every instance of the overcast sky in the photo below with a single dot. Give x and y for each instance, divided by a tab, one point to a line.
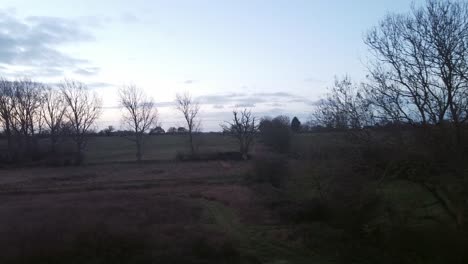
274	56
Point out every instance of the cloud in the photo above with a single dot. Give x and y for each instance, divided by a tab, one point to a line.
275	99
246	105
97	85
88	71
276	104
315	102
220	98
276	94
20	72
218	106
276	111
33	42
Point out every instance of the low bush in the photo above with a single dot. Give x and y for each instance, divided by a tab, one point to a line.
271	168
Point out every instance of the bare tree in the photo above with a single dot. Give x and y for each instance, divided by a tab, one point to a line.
244	128
140	113
83	108
189	108
345	106
7	106
53	111
26	113
419	76
420	66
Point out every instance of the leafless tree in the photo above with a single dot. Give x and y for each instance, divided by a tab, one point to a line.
189	109
421	62
244	128
345	106
7	106
140	113
83	108
419	76
26	113
53	112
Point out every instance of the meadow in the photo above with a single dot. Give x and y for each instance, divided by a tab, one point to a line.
163	210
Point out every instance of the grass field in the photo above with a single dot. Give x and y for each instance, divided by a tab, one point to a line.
113	210
160	147
176	213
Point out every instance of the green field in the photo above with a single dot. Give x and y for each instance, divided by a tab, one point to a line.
160	147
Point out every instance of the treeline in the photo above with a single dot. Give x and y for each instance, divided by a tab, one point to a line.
31	110
40	120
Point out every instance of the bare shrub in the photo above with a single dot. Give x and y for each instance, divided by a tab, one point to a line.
271	168
243	128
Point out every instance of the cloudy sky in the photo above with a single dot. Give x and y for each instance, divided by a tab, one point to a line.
276	57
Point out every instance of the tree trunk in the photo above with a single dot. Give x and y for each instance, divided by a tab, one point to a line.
138	146
79	152
192	149
53	143
9	141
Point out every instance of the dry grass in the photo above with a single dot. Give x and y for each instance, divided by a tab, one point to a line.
172	212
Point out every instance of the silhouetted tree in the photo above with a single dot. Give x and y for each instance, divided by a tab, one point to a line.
181	130
7	105
243	128
296	125
345	106
109	130
157	131
189	109
53	111
419	74
276	133
26	113
140	113
83	108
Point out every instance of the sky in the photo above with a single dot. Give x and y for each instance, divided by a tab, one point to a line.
274	57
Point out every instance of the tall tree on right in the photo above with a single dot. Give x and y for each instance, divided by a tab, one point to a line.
419	75
420	71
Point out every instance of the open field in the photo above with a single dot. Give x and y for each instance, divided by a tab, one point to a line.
114	210
102	149
160	147
173	212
